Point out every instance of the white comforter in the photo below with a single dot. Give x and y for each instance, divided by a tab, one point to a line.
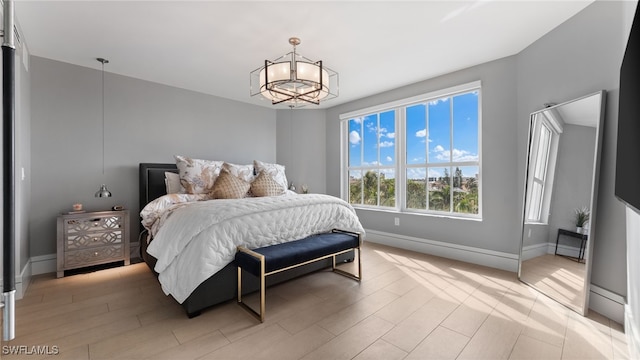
198	240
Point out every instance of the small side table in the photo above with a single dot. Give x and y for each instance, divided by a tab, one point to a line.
92	238
583	242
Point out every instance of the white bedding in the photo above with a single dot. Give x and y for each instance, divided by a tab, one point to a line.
199	239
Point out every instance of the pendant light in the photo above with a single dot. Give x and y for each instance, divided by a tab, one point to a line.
103	192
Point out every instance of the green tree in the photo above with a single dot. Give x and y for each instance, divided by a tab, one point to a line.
370	183
416	194
440	199
355	191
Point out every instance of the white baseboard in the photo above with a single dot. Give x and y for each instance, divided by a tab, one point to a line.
494	259
44	264
533	251
633	333
607	303
602	301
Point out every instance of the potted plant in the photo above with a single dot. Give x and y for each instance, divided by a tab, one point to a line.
581	218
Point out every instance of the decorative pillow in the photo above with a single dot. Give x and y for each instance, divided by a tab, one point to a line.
275	170
197	176
265	185
244	172
172	183
228	186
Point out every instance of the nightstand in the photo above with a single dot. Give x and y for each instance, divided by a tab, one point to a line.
92	238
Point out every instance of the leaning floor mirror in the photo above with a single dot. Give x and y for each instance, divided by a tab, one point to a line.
561	182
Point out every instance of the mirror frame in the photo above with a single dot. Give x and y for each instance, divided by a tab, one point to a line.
593	200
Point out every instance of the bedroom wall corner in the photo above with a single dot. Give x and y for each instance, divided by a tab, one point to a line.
301	145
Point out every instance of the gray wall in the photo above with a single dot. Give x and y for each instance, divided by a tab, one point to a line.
574	169
144	122
581	56
301	147
499	229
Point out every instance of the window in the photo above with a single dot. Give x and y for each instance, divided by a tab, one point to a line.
372	160
416	155
542	159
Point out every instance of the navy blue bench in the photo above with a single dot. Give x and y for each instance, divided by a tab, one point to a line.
273	259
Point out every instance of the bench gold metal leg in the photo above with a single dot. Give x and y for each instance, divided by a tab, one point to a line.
258	315
357	277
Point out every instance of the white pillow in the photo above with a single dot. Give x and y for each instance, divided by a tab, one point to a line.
197	176
244	172
275	170
172	183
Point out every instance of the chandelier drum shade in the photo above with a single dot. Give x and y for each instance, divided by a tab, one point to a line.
294	80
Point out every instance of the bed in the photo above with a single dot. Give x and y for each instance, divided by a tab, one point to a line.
221	285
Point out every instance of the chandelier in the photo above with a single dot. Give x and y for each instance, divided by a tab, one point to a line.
294	80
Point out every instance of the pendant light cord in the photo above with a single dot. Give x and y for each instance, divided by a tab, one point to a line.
102	117
103	61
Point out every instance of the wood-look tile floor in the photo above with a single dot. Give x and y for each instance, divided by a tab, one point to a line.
409	306
559	277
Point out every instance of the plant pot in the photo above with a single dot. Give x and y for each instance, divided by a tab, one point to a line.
579	229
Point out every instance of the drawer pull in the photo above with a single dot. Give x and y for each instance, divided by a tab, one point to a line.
94	239
95	253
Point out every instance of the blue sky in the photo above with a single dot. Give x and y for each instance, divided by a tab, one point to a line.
363	134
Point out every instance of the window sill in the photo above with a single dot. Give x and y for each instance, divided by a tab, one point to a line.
424	214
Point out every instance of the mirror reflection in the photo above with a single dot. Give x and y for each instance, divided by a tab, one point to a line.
559	205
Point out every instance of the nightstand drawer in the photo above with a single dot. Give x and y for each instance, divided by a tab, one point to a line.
92	239
95	255
93	224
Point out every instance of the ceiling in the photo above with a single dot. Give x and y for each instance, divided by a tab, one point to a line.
211	46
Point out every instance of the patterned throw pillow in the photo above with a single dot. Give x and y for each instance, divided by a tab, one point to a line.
197	176
244	172
265	185
275	170
228	186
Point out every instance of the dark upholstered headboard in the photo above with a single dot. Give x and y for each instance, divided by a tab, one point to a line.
152	184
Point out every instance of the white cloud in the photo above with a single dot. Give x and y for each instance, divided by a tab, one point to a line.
434	173
415	173
391	135
354	137
373	163
435	102
442	154
463	155
421	133
357	120
389	159
386	144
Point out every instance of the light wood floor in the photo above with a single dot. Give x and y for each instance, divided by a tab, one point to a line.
409	306
557	276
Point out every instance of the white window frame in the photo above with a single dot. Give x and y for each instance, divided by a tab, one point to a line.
543	204
400	149
376	168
